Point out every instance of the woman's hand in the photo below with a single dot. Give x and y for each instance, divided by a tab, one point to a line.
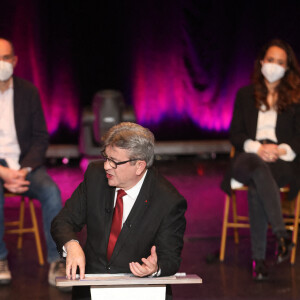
269	152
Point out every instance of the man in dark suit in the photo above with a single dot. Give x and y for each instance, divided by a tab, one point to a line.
150	237
23	143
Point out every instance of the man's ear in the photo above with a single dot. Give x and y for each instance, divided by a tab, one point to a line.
15	61
141	166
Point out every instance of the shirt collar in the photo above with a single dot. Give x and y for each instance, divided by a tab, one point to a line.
134	191
10	87
11	84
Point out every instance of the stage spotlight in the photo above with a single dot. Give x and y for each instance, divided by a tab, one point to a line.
65	160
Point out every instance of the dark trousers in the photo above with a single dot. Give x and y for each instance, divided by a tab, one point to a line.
263	180
43	188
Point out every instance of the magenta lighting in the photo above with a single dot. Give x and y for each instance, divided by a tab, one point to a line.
53	77
58	93
163	88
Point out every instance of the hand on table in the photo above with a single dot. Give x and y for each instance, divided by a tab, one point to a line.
75	258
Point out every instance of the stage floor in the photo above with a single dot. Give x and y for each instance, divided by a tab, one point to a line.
198	181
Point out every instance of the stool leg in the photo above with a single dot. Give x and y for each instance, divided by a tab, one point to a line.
295	229
21	223
224	228
234	216
36	233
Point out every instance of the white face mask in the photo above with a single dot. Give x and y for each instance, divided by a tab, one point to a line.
272	72
6	70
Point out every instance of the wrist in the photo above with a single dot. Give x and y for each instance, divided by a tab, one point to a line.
157	272
27	169
1	170
282	151
67	244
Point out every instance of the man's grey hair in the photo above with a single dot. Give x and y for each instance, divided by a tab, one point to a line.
139	141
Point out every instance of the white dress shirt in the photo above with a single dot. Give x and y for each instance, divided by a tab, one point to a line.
130	198
266	124
9	146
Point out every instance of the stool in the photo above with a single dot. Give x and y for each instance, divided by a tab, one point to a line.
292	223
20	230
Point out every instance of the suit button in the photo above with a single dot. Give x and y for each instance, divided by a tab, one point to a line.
107	268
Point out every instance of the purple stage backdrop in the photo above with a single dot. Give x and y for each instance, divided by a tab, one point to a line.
179	63
53	78
172	78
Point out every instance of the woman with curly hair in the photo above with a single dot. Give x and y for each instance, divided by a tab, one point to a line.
265	131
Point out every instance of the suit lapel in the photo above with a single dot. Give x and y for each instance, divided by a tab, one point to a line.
109	209
284	121
17	106
137	212
252	120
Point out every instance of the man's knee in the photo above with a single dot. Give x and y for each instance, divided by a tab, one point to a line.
52	191
47	193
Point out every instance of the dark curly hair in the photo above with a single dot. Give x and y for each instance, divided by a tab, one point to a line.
289	87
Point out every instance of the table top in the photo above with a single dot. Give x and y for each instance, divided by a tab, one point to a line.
128	279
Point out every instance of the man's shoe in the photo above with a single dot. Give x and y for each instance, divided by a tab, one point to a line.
58	269
5	275
284	248
260	270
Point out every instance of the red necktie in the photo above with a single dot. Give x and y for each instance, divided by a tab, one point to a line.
116	225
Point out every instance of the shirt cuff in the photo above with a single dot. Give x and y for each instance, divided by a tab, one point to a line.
64	253
251	146
28	169
157	273
290	154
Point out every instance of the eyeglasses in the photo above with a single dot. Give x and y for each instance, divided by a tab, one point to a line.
115	164
6	57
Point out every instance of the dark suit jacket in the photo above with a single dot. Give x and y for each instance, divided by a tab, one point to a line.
244	123
30	124
157	218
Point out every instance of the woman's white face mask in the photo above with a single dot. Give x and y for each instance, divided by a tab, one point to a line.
6	70
272	72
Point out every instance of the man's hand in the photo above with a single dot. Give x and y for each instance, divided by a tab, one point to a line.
75	258
148	267
23	172
14	180
268	152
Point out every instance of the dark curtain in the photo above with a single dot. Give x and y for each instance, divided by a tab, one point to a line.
178	63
